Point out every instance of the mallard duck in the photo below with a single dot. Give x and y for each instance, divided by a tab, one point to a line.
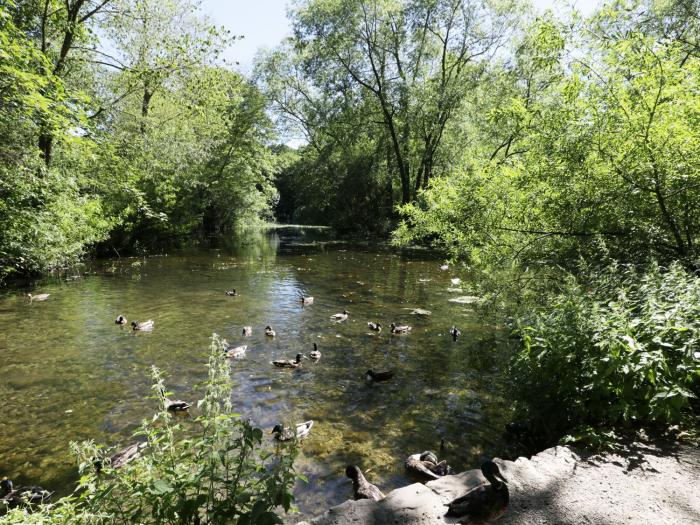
300	431
306	300
120	320
231	293
379	376
122	457
426	465
403	329
455	333
269	332
315	353
145	326
38	297
288	363
235	352
340	317
177	406
13	497
484	503
362	488
375	327
247	330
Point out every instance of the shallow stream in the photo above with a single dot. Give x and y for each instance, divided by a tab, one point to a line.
68	373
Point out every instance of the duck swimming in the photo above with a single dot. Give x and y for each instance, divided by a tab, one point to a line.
145	326
237	352
38	297
14	497
379	376
315	354
455	333
247	330
300	431
122	457
288	363
362	488
120	320
426	465
403	329
340	317
484	503
305	300
375	327
231	293
269	332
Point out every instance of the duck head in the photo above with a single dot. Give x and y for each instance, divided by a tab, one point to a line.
277	429
299	358
491	472
353	472
369	374
121	320
6	486
315	347
134	324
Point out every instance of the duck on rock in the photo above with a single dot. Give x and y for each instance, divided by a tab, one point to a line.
426	465
484	503
362	488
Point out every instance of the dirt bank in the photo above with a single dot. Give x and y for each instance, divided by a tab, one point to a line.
644	484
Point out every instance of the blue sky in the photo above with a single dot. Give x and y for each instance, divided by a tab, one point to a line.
263	23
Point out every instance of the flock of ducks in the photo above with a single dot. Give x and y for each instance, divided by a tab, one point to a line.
481	504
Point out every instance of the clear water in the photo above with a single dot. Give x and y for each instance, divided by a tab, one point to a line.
68	373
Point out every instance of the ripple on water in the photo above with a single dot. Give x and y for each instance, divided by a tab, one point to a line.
67	354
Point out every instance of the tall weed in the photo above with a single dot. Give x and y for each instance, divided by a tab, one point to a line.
615	349
212	469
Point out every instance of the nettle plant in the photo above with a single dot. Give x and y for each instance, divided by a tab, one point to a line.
213	468
615	349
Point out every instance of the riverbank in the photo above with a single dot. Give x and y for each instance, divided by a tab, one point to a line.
643	484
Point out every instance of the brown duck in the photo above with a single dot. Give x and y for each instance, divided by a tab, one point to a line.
484	503
362	488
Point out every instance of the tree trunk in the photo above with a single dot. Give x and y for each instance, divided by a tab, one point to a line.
145	107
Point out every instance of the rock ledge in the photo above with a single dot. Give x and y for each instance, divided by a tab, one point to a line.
559	485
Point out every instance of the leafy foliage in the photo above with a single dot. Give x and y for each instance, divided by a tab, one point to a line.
212	469
615	348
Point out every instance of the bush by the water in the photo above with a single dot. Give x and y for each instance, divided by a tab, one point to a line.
210	469
617	348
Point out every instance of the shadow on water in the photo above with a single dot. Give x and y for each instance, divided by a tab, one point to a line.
69	373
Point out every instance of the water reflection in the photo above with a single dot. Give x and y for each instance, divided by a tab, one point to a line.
69	373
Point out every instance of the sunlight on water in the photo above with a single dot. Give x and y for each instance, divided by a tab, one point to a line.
69	373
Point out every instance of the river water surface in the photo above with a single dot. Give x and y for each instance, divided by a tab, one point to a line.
68	373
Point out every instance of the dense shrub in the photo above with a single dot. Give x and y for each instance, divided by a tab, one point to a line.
210	469
616	348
